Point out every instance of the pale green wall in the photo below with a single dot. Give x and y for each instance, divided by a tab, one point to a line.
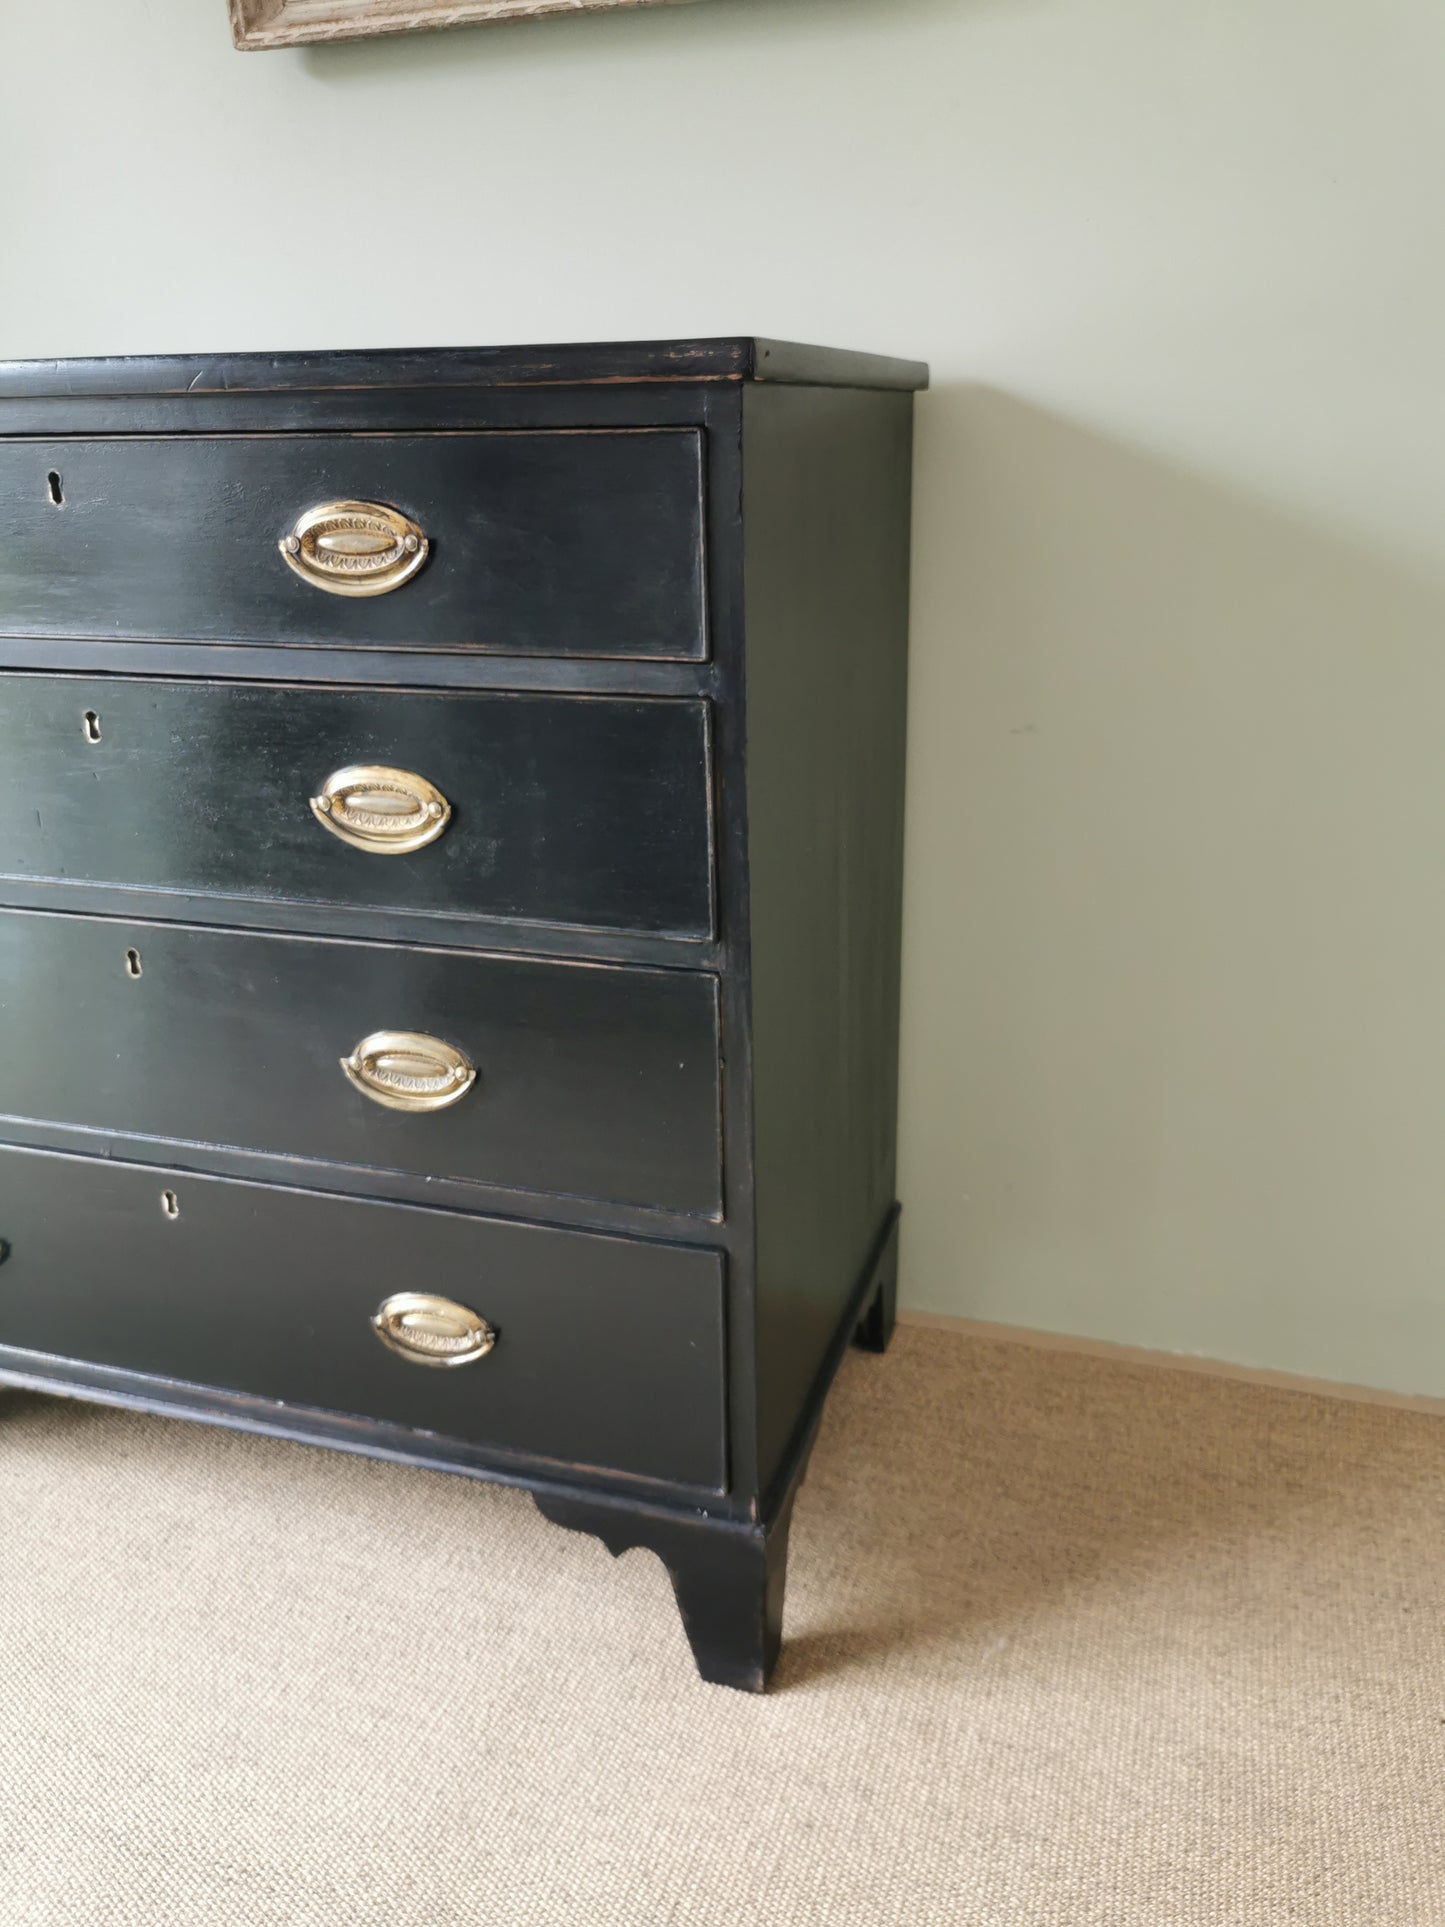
1175	977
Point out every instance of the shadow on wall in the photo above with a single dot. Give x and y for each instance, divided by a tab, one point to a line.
1174	1001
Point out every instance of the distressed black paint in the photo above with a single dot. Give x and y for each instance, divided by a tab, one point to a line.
552	544
271	1292
584	810
594	1081
657	664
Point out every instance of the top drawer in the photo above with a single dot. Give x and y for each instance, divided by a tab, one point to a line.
576	543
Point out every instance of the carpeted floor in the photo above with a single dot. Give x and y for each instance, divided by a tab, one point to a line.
1070	1641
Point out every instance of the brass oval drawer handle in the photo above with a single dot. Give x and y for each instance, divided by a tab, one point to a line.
408	1071
386	811
354	548
432	1331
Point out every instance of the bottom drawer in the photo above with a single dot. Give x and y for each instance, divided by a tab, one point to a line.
608	1352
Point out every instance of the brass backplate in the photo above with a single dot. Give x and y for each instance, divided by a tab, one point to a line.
381	810
354	548
406	1070
426	1330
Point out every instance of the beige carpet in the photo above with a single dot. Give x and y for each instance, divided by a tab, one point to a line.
1070	1641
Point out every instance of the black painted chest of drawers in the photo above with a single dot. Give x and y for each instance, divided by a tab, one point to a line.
450	833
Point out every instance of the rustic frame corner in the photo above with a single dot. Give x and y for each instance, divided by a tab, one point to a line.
258	25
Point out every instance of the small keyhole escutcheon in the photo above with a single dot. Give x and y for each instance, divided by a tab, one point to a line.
57	495
132	963
91	726
170	1204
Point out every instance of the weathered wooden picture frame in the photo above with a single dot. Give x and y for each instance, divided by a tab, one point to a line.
259	24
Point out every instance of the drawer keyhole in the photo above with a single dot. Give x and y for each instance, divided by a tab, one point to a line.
170	1204
92	726
56	493
132	963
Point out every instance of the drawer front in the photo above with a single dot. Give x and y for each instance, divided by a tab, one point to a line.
575	810
536	544
608	1352
590	1080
